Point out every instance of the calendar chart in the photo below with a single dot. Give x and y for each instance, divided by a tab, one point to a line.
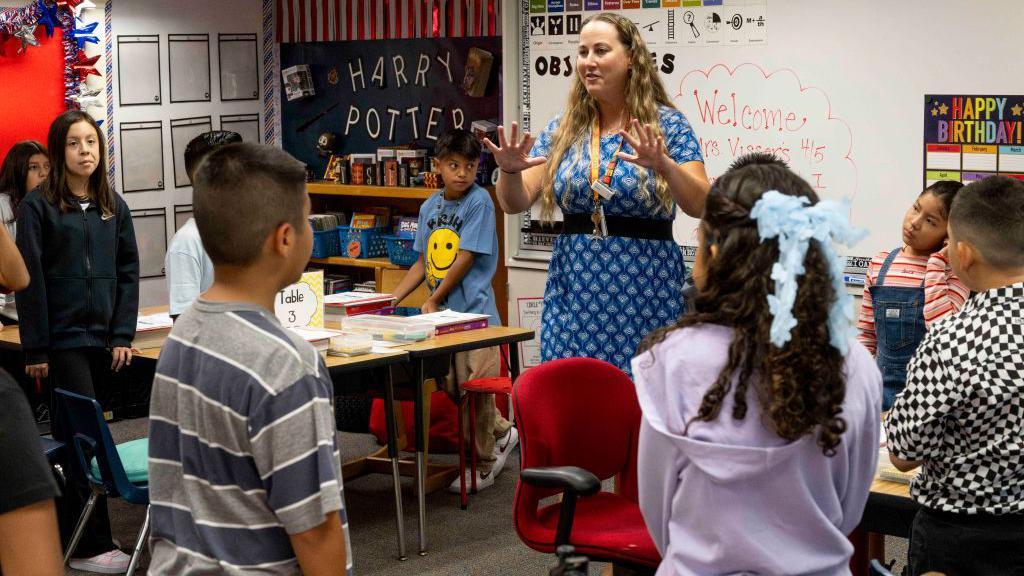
971	137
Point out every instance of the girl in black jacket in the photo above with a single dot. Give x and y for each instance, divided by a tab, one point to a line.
79	311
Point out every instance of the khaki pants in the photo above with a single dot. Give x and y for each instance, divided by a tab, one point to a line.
490	424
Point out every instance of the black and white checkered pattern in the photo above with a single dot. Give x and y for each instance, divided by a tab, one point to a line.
962	411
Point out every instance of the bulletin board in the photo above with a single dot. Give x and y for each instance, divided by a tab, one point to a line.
32	81
385	93
834	88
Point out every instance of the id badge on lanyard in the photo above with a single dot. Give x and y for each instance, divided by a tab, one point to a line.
601	187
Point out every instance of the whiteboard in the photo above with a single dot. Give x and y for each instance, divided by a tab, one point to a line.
142	156
239	78
182	132
852	74
151	236
189	58
246	125
138	69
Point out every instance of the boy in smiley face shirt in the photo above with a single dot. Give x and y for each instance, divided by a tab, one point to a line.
458	246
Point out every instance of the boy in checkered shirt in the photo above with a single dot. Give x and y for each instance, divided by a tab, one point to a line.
961	415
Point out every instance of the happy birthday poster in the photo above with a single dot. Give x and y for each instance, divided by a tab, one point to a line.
971	137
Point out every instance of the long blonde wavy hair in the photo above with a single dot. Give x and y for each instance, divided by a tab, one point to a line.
644	93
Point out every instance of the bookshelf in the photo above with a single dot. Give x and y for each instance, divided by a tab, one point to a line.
351	190
381	263
407	200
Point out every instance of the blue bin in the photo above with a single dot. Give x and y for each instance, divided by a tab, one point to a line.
400	250
362	242
325	244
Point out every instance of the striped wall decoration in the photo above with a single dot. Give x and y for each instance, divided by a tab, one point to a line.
108	54
271	84
339	20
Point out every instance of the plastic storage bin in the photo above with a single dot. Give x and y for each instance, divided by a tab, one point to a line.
326	243
389	328
362	242
351	344
400	250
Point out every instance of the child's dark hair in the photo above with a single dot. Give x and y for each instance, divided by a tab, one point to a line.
55	188
242	193
944	190
201	145
458	142
14	171
801	386
990	215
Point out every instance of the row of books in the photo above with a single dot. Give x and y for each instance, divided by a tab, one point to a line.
328	221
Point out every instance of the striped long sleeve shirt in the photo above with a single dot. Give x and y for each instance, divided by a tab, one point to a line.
242	445
944	293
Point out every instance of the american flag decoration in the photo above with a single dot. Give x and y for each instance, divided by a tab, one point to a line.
340	20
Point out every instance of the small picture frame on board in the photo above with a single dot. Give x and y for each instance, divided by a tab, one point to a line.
298	82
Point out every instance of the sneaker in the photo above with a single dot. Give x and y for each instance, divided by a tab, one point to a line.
483	480
113	562
506	444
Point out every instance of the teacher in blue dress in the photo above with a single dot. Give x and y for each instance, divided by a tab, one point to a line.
617	162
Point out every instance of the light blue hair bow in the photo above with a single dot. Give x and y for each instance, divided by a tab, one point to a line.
794	224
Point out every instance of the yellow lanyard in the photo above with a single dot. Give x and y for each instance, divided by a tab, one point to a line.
595	159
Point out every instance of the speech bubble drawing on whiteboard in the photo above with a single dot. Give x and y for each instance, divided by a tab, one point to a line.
735	111
295	305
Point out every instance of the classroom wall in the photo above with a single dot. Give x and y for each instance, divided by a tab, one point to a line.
160	17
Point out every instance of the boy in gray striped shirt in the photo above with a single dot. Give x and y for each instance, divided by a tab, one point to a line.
244	469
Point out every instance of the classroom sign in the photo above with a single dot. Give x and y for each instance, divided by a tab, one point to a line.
968	137
301	305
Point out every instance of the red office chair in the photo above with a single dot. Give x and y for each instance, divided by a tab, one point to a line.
579	423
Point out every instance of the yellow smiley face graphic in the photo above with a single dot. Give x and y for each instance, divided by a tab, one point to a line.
442	248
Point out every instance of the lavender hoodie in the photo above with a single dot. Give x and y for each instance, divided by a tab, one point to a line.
732	497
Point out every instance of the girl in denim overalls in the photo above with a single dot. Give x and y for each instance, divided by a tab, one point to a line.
909	288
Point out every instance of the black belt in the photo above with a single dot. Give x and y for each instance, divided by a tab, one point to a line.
642	228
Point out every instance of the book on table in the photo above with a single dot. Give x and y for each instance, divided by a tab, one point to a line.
342	304
448	321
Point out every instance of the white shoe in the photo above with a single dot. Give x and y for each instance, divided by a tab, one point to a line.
506	444
113	562
483	480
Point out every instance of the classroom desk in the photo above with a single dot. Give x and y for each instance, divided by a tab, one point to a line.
889	511
10	338
429	350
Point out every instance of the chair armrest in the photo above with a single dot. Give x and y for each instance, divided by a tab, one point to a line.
572	478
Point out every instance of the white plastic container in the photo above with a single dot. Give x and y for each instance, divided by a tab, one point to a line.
350	344
400	329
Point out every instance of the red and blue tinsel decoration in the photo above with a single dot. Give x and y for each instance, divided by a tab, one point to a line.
50	15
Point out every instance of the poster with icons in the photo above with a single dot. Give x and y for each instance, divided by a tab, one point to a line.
668	27
971	137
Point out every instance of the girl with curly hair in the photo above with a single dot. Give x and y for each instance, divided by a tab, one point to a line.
760	425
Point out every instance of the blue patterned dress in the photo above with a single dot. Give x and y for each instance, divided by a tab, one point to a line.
603	296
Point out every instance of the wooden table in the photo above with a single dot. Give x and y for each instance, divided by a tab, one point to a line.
419	354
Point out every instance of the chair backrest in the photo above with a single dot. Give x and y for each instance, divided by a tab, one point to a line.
577	412
90	437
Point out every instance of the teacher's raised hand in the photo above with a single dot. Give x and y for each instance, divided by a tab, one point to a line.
649	148
513	154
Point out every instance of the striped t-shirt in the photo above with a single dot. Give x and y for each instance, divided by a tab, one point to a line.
944	293
242	448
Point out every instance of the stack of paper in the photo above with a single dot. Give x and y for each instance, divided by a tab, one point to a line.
152	330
